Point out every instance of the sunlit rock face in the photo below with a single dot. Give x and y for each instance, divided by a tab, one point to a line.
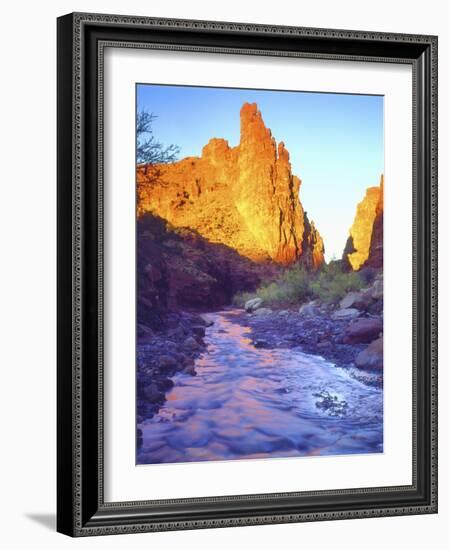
365	243
245	197
376	251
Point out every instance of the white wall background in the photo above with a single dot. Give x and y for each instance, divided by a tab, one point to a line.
28	267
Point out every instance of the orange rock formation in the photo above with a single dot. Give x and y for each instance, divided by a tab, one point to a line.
365	242
245	197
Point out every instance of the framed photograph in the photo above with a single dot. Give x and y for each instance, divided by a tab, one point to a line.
247	281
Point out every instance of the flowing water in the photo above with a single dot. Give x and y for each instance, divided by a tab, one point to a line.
258	403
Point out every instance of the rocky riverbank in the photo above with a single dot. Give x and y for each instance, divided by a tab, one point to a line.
179	270
349	334
246	403
162	354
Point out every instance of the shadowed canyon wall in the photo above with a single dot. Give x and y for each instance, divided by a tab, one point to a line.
244	197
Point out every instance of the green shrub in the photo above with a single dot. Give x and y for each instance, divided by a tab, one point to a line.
296	285
331	283
277	294
291	287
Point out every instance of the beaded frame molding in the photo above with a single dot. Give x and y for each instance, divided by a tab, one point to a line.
82	37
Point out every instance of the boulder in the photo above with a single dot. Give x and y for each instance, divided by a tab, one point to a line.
263	311
348	300
309	309
326	308
371	358
176	333
358	300
324	345
153	394
190	369
164	384
199	331
190	343
260	343
144	333
167	362
188	361
377	290
376	307
253	304
364	331
348	313
207	320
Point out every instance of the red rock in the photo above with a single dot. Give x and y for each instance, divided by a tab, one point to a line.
145	334
167	362
244	197
365	242
152	394
371	358
364	330
359	300
190	369
376	251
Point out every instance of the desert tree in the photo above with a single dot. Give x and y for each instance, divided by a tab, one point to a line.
149	151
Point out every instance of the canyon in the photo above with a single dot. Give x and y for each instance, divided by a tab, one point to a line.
229	223
244	197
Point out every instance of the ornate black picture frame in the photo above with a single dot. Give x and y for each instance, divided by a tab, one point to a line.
81	509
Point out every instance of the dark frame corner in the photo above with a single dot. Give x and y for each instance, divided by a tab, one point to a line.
81	510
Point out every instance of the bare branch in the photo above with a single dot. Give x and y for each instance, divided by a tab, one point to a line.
148	149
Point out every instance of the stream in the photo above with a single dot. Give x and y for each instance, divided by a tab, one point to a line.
247	403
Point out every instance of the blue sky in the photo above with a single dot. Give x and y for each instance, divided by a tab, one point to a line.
335	141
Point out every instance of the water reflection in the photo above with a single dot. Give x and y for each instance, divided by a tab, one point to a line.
258	403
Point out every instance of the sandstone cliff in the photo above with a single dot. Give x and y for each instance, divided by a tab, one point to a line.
244	197
364	246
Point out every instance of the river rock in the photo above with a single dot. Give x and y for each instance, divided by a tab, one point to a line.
358	300
199	330
164	384
144	333
252	305
363	331
190	343
207	320
190	369
263	311
376	307
177	333
260	343
377	290
152	394
371	358
323	345
188	361
309	309
167	362
347	313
